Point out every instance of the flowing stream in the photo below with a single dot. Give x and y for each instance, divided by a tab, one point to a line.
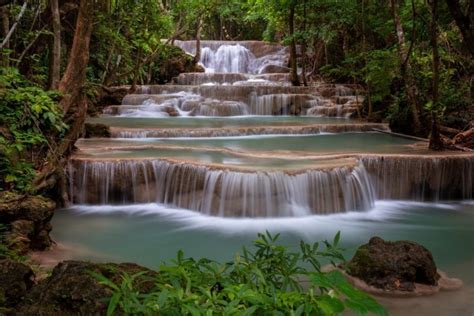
205	164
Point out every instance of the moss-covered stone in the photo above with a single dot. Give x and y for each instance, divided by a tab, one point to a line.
15	280
72	290
170	63
393	265
97	130
28	221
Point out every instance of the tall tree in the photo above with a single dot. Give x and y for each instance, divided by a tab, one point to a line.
405	68
293	55
4	27
464	21
73	103
435	137
55	57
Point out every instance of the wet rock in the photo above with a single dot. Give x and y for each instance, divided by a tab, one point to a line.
105	96
171	62
28	219
393	266
97	130
170	110
328	91
272	69
72	290
15	280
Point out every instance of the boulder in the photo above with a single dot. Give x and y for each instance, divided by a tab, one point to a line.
15	280
73	290
273	69
170	62
28	219
393	266
97	130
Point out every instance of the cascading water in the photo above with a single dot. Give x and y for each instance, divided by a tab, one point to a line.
237	57
221	192
227	58
231	87
422	178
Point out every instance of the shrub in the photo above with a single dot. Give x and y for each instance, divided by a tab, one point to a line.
266	281
28	115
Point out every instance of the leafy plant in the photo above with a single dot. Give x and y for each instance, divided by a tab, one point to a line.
268	280
28	114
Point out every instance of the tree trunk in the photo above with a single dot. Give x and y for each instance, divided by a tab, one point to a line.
435	138
405	69
303	49
464	23
4	27
6	39
74	104
55	57
293	61
72	83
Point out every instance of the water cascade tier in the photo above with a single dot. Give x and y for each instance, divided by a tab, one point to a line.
225	190
239	141
422	178
242	95
219	191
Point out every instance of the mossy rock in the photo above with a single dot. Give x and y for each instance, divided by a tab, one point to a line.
171	62
16	279
97	130
393	265
28	219
73	290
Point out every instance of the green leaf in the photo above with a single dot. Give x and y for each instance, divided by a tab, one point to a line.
113	303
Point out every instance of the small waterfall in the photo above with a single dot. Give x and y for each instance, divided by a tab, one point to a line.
421	178
237	57
221	192
228	58
280	104
216	108
246	131
199	78
177	104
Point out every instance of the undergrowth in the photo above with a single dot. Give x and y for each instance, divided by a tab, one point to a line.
267	280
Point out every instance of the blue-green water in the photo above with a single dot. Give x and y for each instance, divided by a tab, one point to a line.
150	234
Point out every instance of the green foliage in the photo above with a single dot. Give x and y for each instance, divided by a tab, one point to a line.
27	115
264	281
125	36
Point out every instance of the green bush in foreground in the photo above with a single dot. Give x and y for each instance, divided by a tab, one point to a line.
271	280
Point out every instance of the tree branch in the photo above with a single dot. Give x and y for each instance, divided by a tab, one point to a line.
13	28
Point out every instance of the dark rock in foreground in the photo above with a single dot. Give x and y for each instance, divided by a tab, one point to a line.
16	279
72	290
28	221
393	266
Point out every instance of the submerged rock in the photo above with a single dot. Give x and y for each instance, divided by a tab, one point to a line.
393	266
28	219
72	290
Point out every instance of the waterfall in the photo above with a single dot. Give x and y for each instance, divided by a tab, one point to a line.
227	58
421	178
245	131
280	104
237	57
221	192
